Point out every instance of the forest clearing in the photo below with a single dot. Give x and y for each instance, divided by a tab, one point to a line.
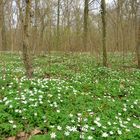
69	69
72	98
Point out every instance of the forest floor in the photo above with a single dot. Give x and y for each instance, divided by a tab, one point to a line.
70	97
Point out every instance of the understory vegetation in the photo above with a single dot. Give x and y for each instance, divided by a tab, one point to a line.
70	97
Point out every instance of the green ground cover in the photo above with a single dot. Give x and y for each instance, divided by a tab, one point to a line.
70	98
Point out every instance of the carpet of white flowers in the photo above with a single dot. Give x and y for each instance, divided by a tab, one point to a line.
70	97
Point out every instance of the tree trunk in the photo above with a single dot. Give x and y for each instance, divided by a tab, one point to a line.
118	25
26	52
103	15
35	31
138	43
2	27
85	34
58	24
0	23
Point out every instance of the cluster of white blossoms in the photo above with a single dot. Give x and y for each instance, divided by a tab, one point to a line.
12	122
97	122
55	94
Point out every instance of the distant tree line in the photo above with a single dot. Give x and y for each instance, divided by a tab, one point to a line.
39	26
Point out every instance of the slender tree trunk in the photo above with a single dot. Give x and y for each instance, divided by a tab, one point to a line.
49	26
103	15
85	34
118	25
1	23
41	36
2	27
20	22
35	35
4	40
26	54
136	12
58	24
138	41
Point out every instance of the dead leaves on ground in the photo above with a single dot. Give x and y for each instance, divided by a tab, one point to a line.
25	136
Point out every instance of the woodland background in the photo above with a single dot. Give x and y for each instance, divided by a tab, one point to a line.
42	26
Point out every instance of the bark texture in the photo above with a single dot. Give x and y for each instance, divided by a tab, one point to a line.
26	49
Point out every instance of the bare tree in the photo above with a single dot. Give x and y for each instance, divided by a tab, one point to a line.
1	20
2	27
72	25
138	38
58	23
86	16
103	15
26	49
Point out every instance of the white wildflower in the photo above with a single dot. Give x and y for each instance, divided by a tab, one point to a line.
104	135
67	133
92	128
90	137
74	129
14	126
79	114
124	109
16	110
58	111
86	126
97	119
135	102
72	121
53	135
111	132
45	121
70	115
59	127
119	132
68	127
119	114
10	106
82	136
134	124
104	127
5	98
11	121
127	130
91	113
99	124
35	114
109	123
128	119
85	120
132	106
